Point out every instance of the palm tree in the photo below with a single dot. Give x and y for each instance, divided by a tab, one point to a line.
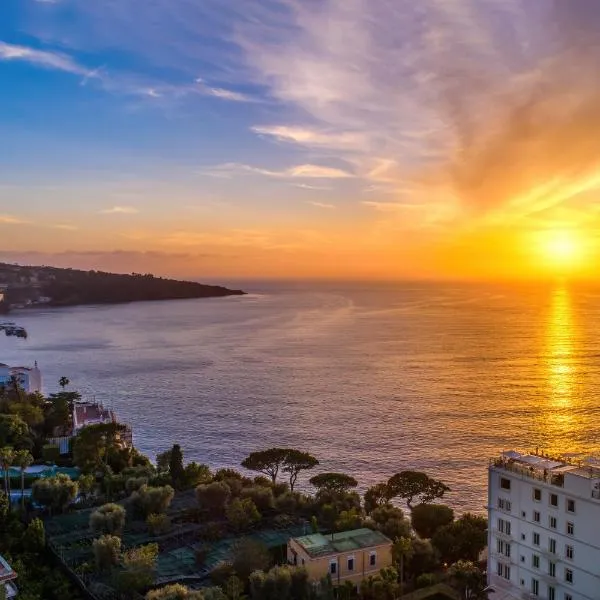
22	459
6	459
63	382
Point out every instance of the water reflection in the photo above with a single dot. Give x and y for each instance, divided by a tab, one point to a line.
561	346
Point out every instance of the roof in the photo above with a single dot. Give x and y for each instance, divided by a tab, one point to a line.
6	572
544	464
318	544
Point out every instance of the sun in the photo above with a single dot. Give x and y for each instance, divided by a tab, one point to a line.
561	249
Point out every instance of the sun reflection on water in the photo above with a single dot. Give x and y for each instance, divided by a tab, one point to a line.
561	342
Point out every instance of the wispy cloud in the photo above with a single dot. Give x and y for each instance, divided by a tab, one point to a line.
11	220
313	137
322	205
222	93
306	171
307	186
43	58
120	210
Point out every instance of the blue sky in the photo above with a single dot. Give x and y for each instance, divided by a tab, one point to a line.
290	137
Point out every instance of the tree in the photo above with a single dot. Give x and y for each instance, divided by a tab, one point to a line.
249	556
426	519
348	520
213	497
22	459
401	551
139	566
423	560
261	496
296	461
333	482
7	456
174	592
14	432
463	539
376	496
55	493
277	583
195	474
391	522
34	538
468	580
176	466
234	588
86	484
109	518
242	513
63	382
266	461
415	484
107	549
163	460
150	499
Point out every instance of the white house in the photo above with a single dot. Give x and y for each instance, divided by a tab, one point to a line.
544	528
29	378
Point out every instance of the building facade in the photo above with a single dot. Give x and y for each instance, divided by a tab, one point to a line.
29	378
347	556
7	578
544	528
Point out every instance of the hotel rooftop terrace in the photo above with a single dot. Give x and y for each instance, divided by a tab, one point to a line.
317	544
543	467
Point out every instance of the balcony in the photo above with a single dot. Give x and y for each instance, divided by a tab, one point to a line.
502	535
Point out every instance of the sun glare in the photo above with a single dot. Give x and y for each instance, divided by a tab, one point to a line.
561	249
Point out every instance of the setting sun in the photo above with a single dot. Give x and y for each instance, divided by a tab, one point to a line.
561	249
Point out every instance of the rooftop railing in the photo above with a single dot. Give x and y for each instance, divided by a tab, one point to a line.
528	471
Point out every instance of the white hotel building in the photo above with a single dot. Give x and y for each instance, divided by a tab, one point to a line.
544	528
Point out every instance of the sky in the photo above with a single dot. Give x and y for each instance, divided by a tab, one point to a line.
368	139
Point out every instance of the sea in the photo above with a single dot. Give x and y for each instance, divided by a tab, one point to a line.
371	378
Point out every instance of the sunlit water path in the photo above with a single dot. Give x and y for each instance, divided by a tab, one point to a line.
372	379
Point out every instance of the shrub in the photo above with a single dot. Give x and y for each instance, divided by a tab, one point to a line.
242	514
54	492
174	592
213	497
148	500
108	519
139	565
158	524
107	550
34	538
250	556
221	573
261	496
133	484
195	474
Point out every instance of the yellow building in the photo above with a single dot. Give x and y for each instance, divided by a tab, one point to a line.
346	556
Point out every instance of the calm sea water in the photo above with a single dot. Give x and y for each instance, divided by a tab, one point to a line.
371	379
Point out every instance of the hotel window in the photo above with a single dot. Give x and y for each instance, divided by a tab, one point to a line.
568	597
537	494
505	483
507	550
535	561
568	575
570	529
536	539
523	514
372	559
571	506
569	552
500	569
522	536
506	574
552	546
333	567
536	516
551	593
522	558
351	563
508	506
553	500
500	546
501	503
535	587
507	527
552	569
553	522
